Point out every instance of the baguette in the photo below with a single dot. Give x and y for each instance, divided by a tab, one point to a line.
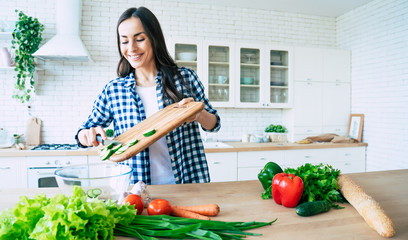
367	207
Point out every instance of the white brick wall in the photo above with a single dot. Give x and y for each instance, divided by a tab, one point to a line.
66	90
377	35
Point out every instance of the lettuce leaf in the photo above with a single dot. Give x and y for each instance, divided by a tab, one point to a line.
62	217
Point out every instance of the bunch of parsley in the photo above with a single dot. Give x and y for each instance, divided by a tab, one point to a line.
320	183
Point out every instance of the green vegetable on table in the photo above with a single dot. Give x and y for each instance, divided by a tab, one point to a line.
266	175
62	217
320	183
76	217
307	209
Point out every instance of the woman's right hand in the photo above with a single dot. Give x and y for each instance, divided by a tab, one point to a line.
87	137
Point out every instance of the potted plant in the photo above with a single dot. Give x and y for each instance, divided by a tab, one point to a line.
276	133
27	36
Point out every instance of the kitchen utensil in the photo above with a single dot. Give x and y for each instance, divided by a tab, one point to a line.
111	179
107	142
6	140
250	57
163	122
187	56
222	79
33	136
247	80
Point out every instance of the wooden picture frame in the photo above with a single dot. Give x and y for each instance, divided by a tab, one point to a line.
355	129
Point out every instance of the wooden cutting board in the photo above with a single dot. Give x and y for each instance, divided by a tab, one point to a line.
163	121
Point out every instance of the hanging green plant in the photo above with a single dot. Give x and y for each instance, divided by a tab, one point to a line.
27	36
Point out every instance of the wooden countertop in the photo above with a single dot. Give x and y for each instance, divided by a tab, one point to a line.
236	147
241	201
245	147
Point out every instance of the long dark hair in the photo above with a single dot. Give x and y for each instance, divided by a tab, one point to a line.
162	58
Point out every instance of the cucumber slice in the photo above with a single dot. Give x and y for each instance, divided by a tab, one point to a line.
117	147
93	193
149	132
110	146
106	153
132	142
122	149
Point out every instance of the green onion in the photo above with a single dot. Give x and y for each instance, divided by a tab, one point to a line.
151	227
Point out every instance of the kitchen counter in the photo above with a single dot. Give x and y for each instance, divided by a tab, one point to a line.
236	147
241	201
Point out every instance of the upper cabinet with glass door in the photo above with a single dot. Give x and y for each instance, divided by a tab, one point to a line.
265	76
218	70
249	84
279	90
188	54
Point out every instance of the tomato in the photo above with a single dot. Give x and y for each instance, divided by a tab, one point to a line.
159	207
135	200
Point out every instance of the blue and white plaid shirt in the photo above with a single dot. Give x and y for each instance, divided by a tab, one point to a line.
120	103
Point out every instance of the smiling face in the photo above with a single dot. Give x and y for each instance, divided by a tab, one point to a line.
135	44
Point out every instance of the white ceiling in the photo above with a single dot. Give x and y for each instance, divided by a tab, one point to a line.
328	8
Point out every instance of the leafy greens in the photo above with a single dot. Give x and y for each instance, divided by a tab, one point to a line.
320	183
62	217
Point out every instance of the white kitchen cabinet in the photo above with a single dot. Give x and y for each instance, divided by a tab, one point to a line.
241	75
222	166
11	172
308	104
336	65
188	53
347	160
265	79
218	69
322	93
336	106
308	64
251	163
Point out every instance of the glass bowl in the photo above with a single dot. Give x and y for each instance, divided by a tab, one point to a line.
105	181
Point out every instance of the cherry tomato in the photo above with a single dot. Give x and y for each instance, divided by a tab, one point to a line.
159	207
135	200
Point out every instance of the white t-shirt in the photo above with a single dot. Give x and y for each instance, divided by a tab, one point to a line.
160	165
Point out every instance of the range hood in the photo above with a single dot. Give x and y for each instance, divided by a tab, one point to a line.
67	44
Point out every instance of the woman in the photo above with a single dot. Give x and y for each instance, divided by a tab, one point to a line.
149	80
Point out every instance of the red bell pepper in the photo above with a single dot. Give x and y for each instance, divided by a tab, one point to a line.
287	189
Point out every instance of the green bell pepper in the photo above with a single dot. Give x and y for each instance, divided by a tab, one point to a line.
266	175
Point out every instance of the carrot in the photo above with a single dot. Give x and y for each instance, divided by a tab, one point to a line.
178	212
206	209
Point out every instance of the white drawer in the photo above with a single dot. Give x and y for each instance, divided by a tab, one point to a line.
222	166
259	158
303	156
349	166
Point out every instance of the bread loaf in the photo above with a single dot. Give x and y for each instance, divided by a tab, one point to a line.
366	206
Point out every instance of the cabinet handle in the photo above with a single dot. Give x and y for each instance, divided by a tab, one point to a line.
216	163
5	168
347	154
262	159
347	164
308	156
